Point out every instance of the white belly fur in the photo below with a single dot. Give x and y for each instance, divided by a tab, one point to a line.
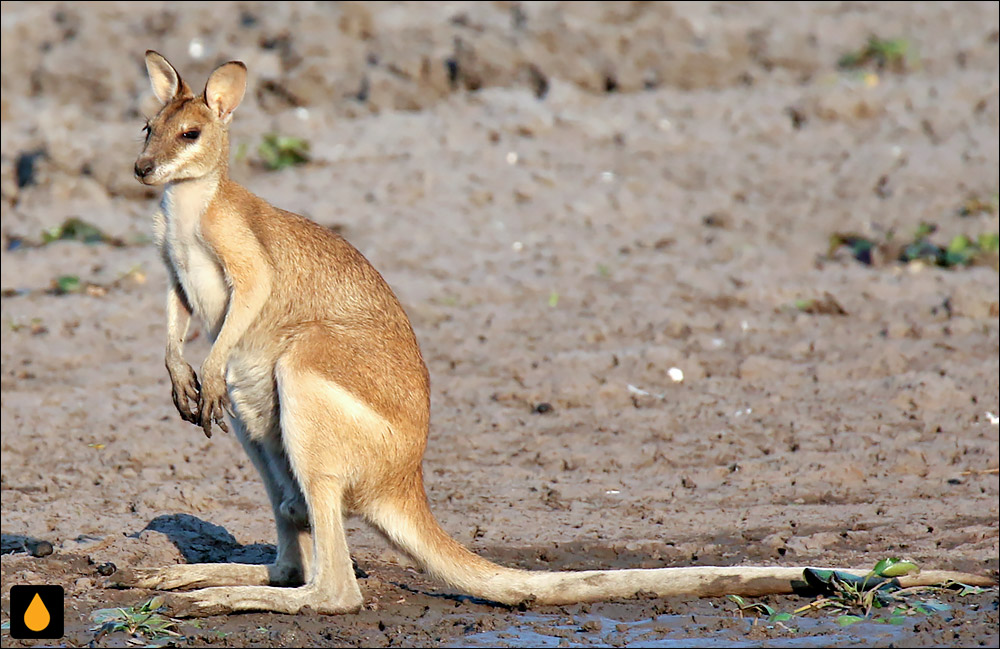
252	392
194	264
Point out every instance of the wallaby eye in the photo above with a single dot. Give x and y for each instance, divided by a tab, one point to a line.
146	130
191	135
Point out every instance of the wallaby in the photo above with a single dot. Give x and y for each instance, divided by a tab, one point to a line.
318	366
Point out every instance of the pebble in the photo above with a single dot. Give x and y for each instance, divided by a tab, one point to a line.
107	569
41	549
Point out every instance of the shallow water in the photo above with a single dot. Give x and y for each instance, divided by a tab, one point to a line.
546	631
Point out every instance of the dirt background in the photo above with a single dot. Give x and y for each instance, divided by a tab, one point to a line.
569	199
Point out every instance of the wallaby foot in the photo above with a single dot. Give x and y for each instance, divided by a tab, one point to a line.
224	600
202	575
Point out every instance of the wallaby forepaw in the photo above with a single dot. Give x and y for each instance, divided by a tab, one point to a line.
212	407
185	391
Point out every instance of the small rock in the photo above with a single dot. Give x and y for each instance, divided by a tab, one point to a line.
720	220
107	569
40	549
543	408
26	168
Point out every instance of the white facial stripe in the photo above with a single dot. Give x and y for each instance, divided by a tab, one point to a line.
179	160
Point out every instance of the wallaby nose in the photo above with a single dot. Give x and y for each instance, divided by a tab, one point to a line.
143	168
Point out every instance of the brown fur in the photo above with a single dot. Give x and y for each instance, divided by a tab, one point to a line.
315	358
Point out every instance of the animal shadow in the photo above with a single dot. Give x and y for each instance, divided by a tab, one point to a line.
13	543
202	542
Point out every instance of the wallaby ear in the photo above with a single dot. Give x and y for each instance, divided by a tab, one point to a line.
167	84
225	88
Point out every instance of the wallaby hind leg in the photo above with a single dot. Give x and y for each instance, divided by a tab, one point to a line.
311	417
259	432
291	514
332	588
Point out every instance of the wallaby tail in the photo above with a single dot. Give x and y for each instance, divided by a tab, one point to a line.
409	523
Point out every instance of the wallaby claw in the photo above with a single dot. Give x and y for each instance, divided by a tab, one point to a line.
186	393
213	409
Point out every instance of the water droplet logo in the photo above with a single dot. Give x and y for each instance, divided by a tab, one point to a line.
37	616
37	612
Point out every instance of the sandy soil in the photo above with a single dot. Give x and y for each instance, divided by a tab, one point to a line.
569	201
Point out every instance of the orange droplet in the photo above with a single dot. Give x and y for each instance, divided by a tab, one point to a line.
37	616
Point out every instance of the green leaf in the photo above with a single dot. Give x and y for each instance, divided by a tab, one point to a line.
924	229
861	247
889	52
850	60
141	620
280	151
898	620
103	615
989	242
755	607
959	243
553	299
818	579
75	229
960	251
969	590
68	283
899	568
894	567
949	258
737	599
762	608
884	53
780	617
847	620
931	606
883	564
921	249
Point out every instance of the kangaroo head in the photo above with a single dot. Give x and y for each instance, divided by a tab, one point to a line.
189	137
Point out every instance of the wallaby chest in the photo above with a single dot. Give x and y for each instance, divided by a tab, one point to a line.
193	262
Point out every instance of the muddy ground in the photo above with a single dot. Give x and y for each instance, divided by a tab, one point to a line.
570	201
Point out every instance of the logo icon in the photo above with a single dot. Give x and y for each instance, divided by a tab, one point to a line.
36	612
